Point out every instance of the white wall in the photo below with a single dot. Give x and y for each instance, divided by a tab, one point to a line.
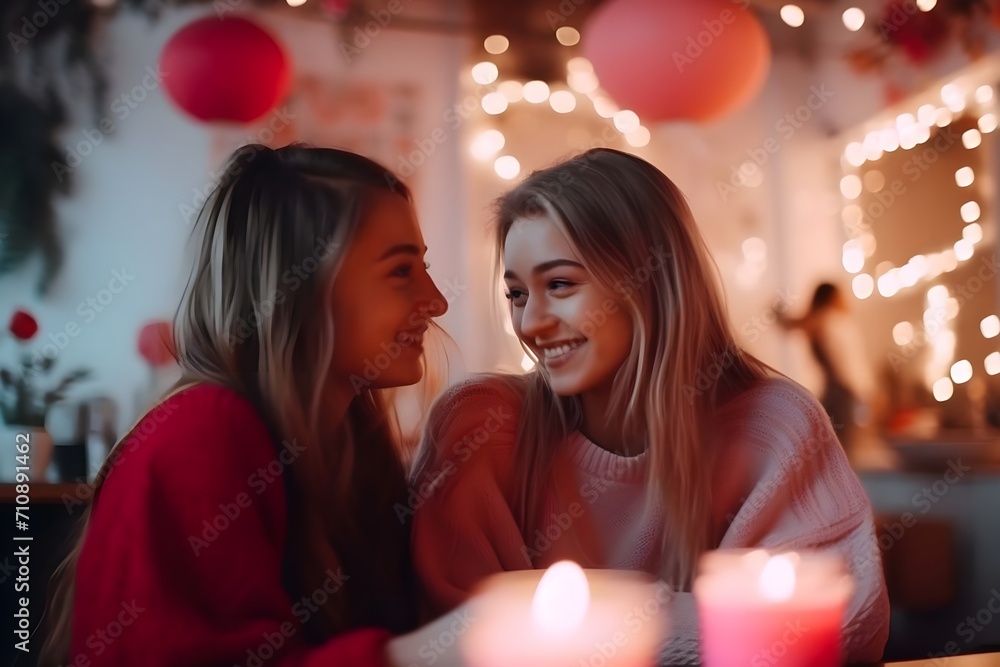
125	213
790	204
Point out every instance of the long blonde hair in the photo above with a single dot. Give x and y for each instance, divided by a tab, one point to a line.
250	321
634	232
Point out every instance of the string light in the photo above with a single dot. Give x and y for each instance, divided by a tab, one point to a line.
568	36
926	114
626	120
890	139
496	44
992	363
906	131
582	82
952	97
638	137
536	92
853	19
580	78
902	333
487	144
964	177
792	15
507	167
910	130
513	91
485	73
853	257
973	233
562	101
855	153
990	326
494	103
863	285
874	180
850	186
605	106
972	138
970	211
943	390
961	371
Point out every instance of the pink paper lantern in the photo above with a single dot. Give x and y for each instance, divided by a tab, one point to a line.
678	59
227	69
156	343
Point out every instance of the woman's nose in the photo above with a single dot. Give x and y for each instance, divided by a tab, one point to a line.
536	318
434	305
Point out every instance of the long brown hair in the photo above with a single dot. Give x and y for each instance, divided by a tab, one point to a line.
271	211
635	233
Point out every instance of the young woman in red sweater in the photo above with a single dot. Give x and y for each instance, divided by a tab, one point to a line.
248	518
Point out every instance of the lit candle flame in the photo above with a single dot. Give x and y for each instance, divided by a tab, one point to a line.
561	599
777	579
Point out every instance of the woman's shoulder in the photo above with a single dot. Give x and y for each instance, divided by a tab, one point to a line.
776	411
200	406
197	422
775	396
476	419
493	395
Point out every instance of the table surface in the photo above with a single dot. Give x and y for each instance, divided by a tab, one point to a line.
976	660
44	492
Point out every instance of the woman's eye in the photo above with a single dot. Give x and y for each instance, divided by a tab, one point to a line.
402	271
559	284
516	296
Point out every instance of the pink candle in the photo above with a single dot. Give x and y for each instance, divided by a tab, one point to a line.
566	617
760	609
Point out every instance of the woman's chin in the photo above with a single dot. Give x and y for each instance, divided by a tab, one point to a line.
564	386
400	377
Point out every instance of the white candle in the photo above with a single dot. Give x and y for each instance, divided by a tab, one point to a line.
566	617
758	608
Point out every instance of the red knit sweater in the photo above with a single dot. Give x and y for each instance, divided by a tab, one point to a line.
181	563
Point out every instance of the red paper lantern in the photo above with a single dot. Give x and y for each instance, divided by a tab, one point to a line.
156	343
677	59
226	69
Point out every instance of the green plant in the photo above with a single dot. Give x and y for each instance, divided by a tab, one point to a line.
21	402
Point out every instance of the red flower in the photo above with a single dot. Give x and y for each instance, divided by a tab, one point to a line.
23	325
920	35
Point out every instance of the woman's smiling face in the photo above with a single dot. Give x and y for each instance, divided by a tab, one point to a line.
578	328
383	299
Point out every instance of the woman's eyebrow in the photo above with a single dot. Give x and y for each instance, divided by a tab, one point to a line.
402	249
546	266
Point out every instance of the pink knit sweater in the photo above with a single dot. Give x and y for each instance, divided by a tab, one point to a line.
782	481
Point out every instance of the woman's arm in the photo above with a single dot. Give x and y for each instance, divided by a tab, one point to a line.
464	529
182	563
806	496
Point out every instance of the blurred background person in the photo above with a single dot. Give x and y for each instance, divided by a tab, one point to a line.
837	344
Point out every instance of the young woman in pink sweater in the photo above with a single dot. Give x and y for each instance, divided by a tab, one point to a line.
645	435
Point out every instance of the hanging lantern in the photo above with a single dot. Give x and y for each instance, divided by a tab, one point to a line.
156	343
677	59
227	69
